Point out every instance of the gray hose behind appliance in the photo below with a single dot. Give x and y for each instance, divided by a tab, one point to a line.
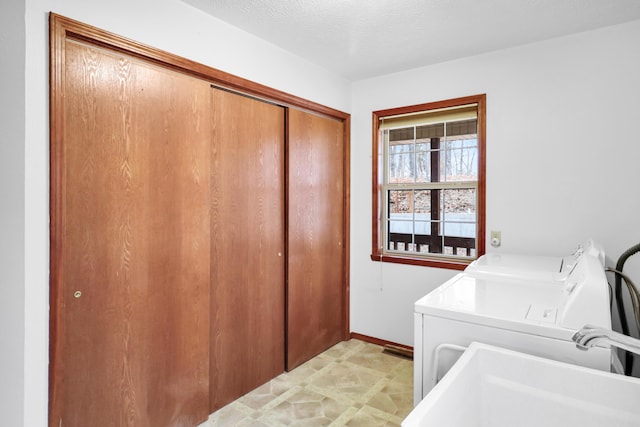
620	303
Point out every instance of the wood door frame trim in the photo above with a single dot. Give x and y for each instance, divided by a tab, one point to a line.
57	216
71	29
62	29
347	225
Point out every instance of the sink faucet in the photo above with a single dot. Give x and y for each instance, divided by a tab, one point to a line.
590	336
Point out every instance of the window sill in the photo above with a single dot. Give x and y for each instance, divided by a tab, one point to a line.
445	263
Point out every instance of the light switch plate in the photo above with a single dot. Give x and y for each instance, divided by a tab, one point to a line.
496	238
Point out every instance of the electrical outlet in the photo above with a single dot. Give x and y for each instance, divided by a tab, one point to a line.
496	238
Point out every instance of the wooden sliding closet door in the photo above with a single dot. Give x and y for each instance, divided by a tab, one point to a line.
247	245
130	241
316	235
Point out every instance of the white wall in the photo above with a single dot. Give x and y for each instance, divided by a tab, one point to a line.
589	77
563	158
12	220
166	24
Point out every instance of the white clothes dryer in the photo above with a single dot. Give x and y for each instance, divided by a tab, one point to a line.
536	267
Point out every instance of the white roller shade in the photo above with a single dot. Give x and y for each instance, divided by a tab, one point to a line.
463	112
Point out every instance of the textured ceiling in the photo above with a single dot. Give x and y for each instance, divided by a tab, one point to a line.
364	38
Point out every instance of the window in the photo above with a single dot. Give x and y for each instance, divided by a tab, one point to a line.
429	183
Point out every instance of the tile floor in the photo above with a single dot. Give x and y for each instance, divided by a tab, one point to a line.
353	384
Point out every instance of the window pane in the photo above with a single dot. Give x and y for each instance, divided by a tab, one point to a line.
423	204
459	161
399	202
402	134
460	213
401	227
400	234
422	213
400	220
430	131
401	162
423	161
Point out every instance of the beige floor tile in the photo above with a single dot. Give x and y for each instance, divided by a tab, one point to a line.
250	422
403	373
352	384
372	357
308	369
347	380
344	348
370	417
306	408
229	416
394	398
266	393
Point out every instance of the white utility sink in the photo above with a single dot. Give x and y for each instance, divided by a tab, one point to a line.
494	387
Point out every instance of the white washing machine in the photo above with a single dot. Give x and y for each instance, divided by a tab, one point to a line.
533	266
532	316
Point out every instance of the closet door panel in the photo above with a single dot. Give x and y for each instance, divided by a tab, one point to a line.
247	245
315	276
134	300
